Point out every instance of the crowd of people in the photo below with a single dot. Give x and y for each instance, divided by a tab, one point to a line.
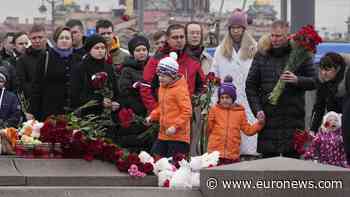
42	76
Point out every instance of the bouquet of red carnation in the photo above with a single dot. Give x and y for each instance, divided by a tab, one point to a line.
126	117
56	130
99	82
304	44
301	140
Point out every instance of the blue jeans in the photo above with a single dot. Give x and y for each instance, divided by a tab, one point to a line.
170	148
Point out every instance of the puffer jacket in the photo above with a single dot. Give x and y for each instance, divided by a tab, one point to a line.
283	119
224	126
10	109
174	110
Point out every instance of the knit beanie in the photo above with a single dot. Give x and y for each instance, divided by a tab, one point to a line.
92	41
137	41
228	88
238	17
58	31
168	65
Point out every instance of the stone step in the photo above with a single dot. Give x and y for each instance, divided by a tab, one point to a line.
96	192
66	172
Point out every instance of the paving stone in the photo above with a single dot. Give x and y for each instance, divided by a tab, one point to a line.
96	192
9	174
76	172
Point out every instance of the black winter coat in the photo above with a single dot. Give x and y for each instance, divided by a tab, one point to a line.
288	115
329	97
51	86
130	98
25	68
83	91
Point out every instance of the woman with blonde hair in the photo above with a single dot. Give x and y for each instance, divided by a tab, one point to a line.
234	57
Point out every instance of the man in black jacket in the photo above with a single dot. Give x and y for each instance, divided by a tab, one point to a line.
283	119
26	64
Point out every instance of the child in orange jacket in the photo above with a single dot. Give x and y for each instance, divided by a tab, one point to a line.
225	121
174	110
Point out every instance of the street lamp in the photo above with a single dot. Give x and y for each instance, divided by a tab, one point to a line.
43	9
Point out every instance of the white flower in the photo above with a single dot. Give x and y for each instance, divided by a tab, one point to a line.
162	165
196	163
146	158
211	159
36	129
182	177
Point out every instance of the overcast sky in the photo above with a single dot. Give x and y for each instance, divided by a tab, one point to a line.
329	13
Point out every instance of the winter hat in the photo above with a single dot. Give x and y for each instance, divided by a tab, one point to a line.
238	17
58	31
137	41
228	88
168	65
92	41
324	125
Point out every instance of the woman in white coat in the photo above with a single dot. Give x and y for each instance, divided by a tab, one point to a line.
234	57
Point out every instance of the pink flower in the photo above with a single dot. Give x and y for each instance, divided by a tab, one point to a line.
134	171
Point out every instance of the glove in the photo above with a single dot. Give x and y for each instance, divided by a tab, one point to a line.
170	131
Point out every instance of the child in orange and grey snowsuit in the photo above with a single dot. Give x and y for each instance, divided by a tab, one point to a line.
225	121
174	111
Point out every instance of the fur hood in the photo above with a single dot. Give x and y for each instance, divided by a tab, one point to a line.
264	44
248	47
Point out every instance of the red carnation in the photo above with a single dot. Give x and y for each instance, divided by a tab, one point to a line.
147	168
99	80
125	18
88	157
122	165
108	152
134	159
126	116
210	77
119	153
166	183
177	158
